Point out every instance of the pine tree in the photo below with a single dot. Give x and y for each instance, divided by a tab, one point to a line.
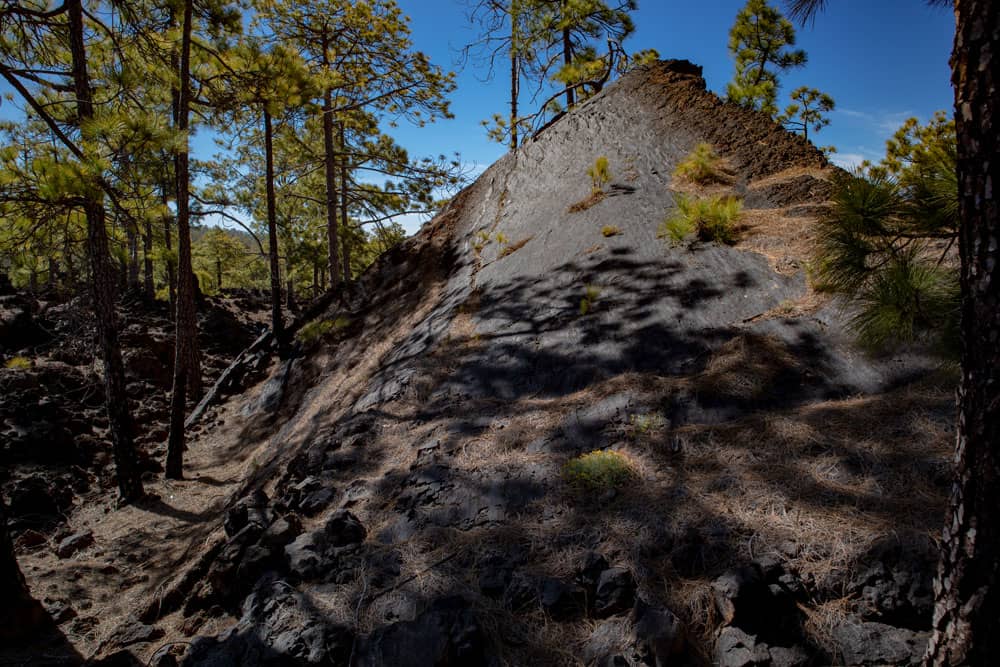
966	623
808	109
760	41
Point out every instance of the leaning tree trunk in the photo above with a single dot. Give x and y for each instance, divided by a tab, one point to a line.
966	625
102	283
277	326
185	329
19	613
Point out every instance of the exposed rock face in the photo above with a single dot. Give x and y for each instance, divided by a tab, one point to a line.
279	626
438	468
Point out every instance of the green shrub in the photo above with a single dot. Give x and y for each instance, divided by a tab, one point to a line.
610	230
711	219
18	364
600	174
700	166
482	239
600	470
645	424
317	329
590	294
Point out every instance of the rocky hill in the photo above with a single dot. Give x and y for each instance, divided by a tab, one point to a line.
398	493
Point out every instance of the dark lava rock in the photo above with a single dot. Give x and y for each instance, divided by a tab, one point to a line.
75	543
648	636
590	570
123	658
305	555
561	600
343	528
447	633
737	648
895	582
279	626
615	592
861	643
251	509
135	632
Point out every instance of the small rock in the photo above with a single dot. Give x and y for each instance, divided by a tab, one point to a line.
75	543
615	592
861	643
134	632
344	528
560	600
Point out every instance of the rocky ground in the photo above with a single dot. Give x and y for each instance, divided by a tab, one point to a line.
395	493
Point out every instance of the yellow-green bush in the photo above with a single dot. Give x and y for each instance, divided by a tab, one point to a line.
610	230
600	174
590	294
18	364
711	219
700	166
317	329
600	470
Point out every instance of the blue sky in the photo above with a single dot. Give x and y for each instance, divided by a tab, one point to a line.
881	60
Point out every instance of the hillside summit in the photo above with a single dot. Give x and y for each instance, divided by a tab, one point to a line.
398	493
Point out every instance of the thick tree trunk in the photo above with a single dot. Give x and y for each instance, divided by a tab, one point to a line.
102	283
19	612
966	625
277	326
185	330
343	205
148	285
330	167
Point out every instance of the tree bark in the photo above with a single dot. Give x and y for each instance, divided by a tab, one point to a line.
20	613
330	168
343	205
277	326
185	329
567	59
132	238
148	285
515	73
966	624
168	244
103	288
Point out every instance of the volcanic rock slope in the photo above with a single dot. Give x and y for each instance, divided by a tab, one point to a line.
410	505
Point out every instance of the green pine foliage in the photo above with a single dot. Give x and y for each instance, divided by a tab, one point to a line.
710	219
807	110
887	243
761	42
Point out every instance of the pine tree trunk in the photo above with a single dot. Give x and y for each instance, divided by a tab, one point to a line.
19	612
343	205
185	329
148	286
277	326
567	55
330	166
966	625
132	239
515	74
168	244
102	283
